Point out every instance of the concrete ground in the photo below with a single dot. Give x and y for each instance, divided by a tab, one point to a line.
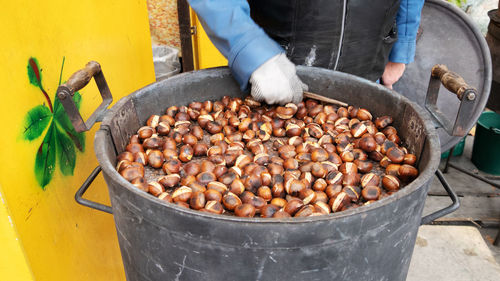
452	253
460	246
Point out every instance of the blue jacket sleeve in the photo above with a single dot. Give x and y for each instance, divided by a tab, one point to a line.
407	20
230	28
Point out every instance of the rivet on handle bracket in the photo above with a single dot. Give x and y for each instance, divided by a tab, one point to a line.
76	82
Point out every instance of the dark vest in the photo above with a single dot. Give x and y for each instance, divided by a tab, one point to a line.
352	36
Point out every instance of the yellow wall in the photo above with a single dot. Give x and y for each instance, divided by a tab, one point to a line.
62	240
13	263
205	55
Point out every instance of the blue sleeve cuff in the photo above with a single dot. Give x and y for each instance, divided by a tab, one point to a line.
403	51
250	55
408	20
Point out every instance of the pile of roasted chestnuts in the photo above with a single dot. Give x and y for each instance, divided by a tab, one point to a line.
245	158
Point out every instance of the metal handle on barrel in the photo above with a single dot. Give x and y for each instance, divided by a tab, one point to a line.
76	82
85	202
440	74
65	93
443	212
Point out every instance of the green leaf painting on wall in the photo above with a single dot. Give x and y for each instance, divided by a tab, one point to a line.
45	162
36	121
65	152
34	73
60	139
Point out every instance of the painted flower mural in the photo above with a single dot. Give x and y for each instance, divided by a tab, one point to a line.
60	141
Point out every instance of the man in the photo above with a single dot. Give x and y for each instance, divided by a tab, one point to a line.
262	39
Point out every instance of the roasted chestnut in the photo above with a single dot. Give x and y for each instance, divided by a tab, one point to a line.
141	184
407	172
245	210
155	188
165	197
390	182
197	200
231	201
214	207
395	154
371	192
305	211
134	147
370	179
172	166
153	121
307	196
170	181
410	159
206	177
182	194
339	201
155	158
186	152
213	195
367	143
293	206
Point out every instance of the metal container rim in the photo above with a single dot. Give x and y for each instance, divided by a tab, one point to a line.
108	168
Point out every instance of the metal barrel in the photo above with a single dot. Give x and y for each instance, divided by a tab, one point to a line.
160	241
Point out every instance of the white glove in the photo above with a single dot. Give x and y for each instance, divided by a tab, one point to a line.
276	81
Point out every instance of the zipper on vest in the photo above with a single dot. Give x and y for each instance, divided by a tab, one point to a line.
341	38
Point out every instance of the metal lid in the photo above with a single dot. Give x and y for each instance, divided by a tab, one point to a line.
447	36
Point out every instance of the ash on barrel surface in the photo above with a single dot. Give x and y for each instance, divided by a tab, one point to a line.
242	157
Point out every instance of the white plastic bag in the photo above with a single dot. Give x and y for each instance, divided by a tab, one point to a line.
166	62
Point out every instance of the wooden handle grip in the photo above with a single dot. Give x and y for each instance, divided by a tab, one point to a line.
451	80
82	77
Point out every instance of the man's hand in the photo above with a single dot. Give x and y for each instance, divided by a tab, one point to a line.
276	81
392	72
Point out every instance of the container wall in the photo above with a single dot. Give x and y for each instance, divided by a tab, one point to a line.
159	243
47	161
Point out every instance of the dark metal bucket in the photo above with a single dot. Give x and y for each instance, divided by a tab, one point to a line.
161	241
486	147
